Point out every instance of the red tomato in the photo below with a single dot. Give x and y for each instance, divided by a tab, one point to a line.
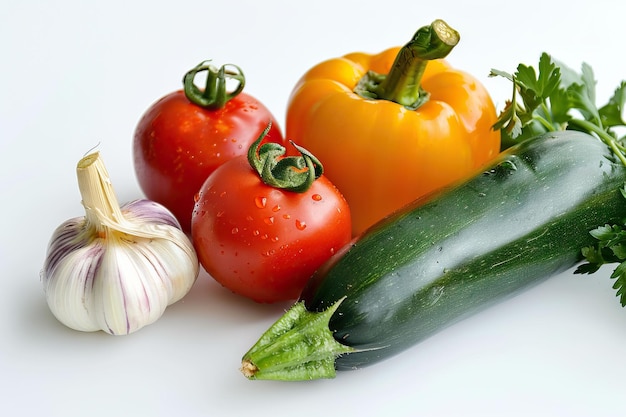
178	143
263	242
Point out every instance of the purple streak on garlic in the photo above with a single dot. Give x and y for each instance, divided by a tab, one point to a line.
117	268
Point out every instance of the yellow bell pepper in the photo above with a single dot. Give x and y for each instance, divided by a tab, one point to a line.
394	126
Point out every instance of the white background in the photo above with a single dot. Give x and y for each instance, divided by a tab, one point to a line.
77	74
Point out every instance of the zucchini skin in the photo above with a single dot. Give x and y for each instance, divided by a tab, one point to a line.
449	255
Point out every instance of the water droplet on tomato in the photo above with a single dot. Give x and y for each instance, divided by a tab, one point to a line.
300	225
219	214
260	202
223	194
332	251
276	208
286	216
234	230
269	220
255	233
274	239
249	218
316	197
268	253
196	197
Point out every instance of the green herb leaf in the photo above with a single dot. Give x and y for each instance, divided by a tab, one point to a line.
619	274
610	249
594	260
555	97
612	113
538	91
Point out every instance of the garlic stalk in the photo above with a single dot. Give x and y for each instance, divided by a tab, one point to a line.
117	268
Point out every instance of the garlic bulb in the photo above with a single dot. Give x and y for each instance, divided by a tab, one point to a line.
117	268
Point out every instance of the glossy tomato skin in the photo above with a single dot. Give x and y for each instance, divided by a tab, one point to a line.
262	242
177	144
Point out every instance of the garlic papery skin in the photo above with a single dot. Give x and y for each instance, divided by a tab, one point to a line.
117	268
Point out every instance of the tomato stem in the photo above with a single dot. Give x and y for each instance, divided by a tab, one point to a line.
403	82
291	173
215	94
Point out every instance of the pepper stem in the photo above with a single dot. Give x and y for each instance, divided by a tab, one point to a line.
403	82
215	94
299	346
291	173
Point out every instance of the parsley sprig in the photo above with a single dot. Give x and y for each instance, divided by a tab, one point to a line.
611	249
555	97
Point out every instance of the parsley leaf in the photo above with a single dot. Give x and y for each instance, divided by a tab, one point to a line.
612	114
555	97
611	248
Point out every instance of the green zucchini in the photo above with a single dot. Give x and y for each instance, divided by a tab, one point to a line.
521	220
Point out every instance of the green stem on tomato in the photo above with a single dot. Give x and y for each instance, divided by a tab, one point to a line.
299	346
291	173
215	94
403	82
